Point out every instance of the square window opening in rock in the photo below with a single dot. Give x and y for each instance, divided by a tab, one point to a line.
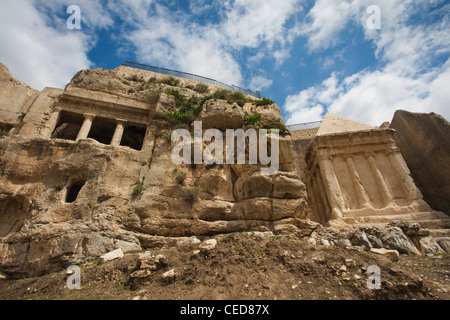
133	137
102	130
73	191
68	126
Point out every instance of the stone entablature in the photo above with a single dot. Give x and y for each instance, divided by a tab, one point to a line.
96	105
361	173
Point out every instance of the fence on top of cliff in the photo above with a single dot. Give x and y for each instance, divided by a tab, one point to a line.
191	76
303	126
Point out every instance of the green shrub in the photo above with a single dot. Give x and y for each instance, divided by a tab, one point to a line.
253	119
191	194
150	81
189	86
136	78
231	97
274	125
201	88
138	189
180	99
167	135
222	94
180	177
264	102
188	117
3	132
125	82
170	80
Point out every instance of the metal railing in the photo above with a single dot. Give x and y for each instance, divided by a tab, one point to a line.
191	76
303	126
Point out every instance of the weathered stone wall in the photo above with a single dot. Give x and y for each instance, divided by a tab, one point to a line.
359	173
43	229
424	141
15	99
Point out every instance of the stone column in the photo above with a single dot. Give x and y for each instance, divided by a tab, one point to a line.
314	193
332	187
86	127
363	201
326	214
403	174
46	132
118	133
379	180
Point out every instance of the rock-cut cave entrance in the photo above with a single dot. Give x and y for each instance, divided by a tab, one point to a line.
73	191
68	126
133	137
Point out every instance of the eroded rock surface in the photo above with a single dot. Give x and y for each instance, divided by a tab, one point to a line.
68	197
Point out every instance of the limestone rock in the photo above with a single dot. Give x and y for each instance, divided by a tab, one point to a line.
429	245
128	247
187	241
68	194
169	275
285	187
395	239
208	245
344	243
393	255
423	142
116	254
333	124
444	243
361	239
219	114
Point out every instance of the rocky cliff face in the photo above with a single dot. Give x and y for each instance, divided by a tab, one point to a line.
424	141
64	202
15	100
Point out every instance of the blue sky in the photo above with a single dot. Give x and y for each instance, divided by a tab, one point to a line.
311	57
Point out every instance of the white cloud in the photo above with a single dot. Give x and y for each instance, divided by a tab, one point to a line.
260	83
410	78
37	53
209	49
93	13
249	23
190	48
306	115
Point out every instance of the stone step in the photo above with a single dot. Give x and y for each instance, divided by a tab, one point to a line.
444	242
439	233
428	220
430	216
435	224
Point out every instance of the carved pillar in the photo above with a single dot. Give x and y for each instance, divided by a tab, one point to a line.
410	190
118	133
379	180
316	197
326	214
332	187
86	127
149	140
46	132
363	201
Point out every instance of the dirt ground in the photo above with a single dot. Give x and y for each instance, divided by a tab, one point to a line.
248	267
